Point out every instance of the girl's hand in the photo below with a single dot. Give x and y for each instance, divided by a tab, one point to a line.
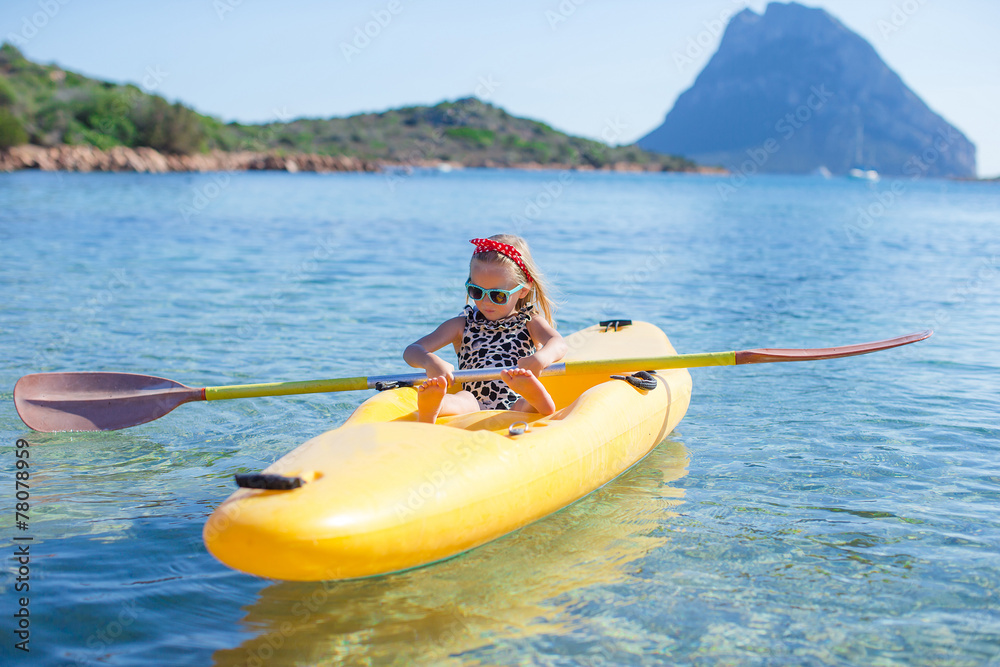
438	367
531	363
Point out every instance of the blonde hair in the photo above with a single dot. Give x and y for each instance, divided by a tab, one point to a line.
539	290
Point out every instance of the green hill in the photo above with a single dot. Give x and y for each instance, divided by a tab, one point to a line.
49	106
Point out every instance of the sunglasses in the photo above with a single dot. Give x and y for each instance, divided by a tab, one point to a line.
498	296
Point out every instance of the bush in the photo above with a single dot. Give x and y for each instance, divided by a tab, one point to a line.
7	94
567	154
512	141
472	136
98	139
220	135
11	130
596	156
111	117
168	128
10	54
537	151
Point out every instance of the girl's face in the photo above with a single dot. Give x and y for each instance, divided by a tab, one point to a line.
495	276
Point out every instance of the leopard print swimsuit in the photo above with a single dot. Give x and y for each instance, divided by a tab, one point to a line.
494	344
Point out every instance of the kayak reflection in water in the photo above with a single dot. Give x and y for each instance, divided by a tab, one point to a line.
503	330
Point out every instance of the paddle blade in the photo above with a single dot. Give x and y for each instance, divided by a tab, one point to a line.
766	355
51	402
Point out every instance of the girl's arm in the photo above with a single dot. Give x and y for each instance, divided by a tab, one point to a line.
550	346
420	354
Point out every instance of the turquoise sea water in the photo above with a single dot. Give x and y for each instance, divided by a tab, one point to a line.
834	513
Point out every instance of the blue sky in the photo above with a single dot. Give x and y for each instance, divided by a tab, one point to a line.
595	68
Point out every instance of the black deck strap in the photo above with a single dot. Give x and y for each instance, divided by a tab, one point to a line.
614	324
258	480
641	380
396	384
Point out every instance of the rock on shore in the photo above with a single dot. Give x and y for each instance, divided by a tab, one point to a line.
120	158
148	160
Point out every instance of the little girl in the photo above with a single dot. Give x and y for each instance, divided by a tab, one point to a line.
504	329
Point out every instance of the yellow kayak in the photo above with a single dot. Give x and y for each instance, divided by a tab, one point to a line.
383	493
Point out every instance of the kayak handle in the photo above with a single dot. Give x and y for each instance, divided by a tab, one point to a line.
258	480
641	380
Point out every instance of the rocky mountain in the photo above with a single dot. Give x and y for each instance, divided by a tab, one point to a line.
793	91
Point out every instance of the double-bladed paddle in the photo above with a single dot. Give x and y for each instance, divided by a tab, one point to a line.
97	401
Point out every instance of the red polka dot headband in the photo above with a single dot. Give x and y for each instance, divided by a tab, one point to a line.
507	250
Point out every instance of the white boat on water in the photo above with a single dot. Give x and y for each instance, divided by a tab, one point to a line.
857	173
863	175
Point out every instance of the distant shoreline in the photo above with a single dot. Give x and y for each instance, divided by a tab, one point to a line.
82	158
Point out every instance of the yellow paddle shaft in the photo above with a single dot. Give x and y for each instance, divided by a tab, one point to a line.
649	363
567	368
285	388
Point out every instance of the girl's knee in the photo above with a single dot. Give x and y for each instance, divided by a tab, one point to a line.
521	405
463	402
